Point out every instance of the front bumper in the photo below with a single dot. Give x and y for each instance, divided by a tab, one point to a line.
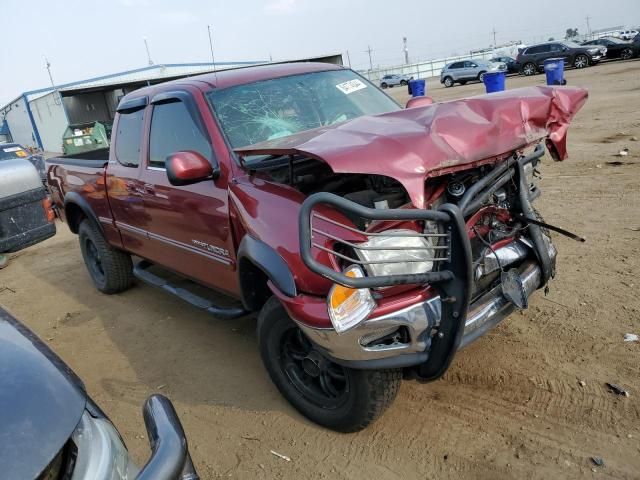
356	348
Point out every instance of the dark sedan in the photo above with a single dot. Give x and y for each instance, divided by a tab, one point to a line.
51	429
616	48
512	65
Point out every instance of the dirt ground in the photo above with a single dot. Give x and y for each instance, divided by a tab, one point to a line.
526	401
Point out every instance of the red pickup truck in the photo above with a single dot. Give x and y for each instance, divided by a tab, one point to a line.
374	241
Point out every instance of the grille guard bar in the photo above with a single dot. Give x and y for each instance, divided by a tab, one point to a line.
452	284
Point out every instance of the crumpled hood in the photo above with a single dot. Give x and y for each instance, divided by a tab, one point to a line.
413	144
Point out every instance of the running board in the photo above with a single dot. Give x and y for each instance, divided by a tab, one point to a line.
141	272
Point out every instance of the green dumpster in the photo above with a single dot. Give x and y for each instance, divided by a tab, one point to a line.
84	137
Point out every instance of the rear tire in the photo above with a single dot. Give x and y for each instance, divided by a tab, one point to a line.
626	54
581	61
111	270
529	69
336	397
448	82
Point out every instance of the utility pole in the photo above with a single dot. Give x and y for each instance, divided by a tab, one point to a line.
146	46
57	99
348	59
587	18
494	37
213	60
406	50
368	50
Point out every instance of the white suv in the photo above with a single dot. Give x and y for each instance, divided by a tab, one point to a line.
626	34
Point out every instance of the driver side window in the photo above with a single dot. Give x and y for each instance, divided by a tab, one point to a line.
173	130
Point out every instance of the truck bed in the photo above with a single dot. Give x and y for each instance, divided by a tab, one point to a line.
81	177
93	159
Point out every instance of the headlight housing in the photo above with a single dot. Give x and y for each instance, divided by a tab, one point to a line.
349	306
397	253
101	453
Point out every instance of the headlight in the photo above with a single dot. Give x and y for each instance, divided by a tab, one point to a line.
101	453
349	306
594	50
397	254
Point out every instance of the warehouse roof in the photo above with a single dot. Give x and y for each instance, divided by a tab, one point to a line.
152	72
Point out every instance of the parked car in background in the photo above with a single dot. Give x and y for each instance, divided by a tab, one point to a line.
393	80
52	430
465	71
626	34
26	213
531	59
616	48
512	65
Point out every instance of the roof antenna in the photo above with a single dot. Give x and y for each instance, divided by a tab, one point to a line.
146	45
57	99
213	60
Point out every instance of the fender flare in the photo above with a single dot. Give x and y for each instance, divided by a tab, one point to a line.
74	198
269	261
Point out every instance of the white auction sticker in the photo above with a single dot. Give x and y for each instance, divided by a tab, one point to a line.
12	149
351	86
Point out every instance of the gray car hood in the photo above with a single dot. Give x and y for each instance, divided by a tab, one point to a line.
41	401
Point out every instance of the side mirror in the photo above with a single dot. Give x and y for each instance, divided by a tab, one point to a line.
419	102
170	458
188	167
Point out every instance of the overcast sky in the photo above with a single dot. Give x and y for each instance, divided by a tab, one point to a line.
84	39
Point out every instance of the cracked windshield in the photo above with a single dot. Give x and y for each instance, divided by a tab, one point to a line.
281	107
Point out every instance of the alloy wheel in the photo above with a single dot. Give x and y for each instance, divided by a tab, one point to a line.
581	61
318	379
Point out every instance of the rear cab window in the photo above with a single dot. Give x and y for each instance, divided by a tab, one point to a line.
129	137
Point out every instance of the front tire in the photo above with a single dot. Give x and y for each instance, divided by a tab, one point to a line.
384	85
404	83
111	270
481	76
336	397
581	61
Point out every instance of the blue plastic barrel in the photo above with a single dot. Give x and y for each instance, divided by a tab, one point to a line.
494	81
418	88
554	70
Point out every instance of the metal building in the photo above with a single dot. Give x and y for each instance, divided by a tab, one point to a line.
39	118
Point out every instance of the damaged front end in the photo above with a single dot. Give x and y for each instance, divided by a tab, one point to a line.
473	242
418	276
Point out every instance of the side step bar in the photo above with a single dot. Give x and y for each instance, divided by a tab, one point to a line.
141	272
